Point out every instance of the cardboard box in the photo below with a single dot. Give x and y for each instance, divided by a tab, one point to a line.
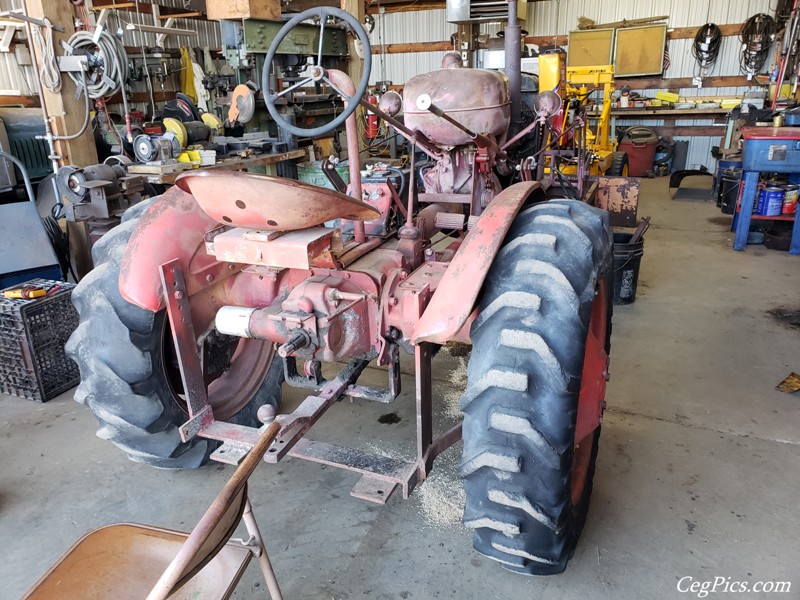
243	9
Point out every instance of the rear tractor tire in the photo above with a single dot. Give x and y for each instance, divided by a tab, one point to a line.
540	342
129	377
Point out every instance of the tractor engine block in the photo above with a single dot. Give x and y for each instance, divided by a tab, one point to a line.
455	173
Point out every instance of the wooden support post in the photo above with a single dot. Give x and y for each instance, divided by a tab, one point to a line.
65	110
66	114
355	66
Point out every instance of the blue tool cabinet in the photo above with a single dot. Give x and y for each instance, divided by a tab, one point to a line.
771	150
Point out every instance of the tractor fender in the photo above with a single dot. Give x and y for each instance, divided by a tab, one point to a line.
172	228
457	292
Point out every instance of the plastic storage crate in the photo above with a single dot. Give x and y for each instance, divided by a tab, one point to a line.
33	363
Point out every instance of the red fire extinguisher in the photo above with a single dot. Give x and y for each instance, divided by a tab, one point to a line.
372	119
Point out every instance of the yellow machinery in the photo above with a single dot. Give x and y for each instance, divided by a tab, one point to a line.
576	84
607	160
552	73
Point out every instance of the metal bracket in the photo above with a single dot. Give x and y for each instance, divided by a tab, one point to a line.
195	424
376	394
381	475
231	452
294	379
311	409
428	448
80	88
316	381
180	323
329	170
14	14
8	37
72	64
100	24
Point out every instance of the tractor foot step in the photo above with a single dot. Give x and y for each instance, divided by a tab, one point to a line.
373	489
231	453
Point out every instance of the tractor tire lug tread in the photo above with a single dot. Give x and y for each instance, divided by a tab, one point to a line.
523	386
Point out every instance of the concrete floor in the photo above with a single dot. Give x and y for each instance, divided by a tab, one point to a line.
698	473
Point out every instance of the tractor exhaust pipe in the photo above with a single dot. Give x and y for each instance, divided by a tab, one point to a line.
513	68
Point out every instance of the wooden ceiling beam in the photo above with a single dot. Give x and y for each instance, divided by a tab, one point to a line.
678	33
25	101
676	83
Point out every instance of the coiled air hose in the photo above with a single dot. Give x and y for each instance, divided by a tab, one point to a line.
705	48
107	61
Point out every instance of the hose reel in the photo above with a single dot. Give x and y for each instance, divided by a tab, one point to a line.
107	63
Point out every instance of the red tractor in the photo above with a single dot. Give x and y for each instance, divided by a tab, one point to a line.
205	300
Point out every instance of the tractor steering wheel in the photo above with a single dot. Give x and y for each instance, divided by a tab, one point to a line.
315	73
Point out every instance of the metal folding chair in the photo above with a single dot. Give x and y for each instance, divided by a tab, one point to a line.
129	561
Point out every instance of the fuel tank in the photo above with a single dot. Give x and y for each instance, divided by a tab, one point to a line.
476	98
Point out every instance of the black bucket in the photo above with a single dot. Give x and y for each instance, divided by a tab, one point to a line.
627	258
729	190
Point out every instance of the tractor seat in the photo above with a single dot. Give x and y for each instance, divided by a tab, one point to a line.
257	201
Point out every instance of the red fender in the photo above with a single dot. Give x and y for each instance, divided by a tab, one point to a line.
455	297
173	227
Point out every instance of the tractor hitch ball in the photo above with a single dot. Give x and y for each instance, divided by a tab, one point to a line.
266	414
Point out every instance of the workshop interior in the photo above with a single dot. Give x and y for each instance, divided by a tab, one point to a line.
225	222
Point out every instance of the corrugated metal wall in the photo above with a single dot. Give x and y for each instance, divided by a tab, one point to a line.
404	27
558	17
13	76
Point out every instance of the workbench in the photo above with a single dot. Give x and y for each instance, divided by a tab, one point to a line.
168	177
770	150
672	115
669	113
